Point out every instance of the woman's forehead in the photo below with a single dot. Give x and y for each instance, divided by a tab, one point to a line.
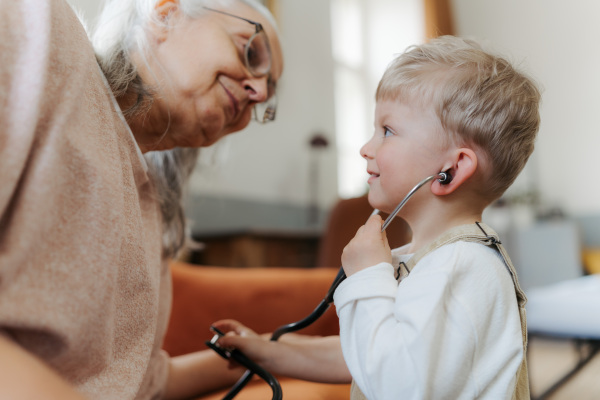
245	11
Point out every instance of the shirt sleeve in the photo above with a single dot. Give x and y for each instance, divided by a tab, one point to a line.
405	340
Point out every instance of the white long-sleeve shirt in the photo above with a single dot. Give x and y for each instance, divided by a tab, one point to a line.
448	330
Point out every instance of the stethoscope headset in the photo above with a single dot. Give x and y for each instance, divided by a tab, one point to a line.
252	368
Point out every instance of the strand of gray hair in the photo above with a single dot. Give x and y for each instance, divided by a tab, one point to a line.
170	170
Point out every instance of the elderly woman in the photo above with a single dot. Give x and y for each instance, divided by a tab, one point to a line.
87	221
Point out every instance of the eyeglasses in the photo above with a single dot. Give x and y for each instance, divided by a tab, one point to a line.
258	59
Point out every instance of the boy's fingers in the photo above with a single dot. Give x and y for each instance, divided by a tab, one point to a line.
374	224
384	236
230	341
230	325
226	324
233	342
385	241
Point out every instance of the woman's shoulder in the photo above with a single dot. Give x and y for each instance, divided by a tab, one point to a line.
46	53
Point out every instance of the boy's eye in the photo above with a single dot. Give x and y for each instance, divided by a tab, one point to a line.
387	132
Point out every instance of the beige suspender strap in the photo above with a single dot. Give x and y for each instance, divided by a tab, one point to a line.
478	233
481	233
356	393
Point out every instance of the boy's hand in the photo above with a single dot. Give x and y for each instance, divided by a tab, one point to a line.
257	347
369	247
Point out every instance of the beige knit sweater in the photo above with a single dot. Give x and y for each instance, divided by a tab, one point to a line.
82	284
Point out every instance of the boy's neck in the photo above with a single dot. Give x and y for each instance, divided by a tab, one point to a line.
439	218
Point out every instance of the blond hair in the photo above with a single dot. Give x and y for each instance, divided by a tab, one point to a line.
480	99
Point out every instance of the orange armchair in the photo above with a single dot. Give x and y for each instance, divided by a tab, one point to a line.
263	299
266	298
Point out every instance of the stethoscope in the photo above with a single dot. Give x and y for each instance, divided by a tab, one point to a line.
443	177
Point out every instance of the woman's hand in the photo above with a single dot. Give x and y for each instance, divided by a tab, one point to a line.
368	247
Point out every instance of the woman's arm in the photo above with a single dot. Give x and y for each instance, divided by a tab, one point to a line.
22	376
197	373
311	358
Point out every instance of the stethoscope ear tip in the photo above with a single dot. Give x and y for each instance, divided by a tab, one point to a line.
444	178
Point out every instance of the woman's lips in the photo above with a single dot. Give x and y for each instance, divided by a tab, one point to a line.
235	105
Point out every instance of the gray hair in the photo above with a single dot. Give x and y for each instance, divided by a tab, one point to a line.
120	31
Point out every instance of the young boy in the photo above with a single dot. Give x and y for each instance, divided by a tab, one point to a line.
442	317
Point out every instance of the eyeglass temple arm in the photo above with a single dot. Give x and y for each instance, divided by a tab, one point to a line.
258	25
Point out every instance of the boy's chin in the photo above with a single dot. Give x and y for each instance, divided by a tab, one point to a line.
380	205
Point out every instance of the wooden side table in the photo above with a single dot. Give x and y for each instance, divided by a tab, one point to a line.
257	248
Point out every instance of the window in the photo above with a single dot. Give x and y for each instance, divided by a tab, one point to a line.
365	37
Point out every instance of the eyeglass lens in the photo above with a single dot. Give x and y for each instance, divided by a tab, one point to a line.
258	54
258	61
265	111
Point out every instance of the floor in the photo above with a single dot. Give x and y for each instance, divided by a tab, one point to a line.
551	359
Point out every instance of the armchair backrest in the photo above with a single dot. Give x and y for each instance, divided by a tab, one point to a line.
344	220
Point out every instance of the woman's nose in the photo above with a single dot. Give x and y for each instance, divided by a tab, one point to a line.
257	89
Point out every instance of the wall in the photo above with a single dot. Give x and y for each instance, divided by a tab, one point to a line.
557	42
271	162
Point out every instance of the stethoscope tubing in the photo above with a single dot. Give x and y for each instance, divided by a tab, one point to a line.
328	299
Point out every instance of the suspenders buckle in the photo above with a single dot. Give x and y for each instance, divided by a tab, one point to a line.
492	239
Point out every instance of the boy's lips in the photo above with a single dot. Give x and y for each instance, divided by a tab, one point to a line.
372	176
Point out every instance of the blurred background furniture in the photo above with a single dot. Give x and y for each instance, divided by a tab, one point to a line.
285	247
344	220
261	298
568	310
563	302
257	248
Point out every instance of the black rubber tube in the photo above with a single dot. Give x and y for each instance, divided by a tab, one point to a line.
292	327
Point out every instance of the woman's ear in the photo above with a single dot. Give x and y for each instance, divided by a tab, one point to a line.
164	7
462	167
163	10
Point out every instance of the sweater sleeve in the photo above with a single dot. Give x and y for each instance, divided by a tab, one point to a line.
80	248
55	194
21	74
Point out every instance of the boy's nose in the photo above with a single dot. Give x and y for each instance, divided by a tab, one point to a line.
366	151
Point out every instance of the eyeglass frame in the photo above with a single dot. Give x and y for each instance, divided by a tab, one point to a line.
271	102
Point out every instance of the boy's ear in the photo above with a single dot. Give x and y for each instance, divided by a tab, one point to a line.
462	168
